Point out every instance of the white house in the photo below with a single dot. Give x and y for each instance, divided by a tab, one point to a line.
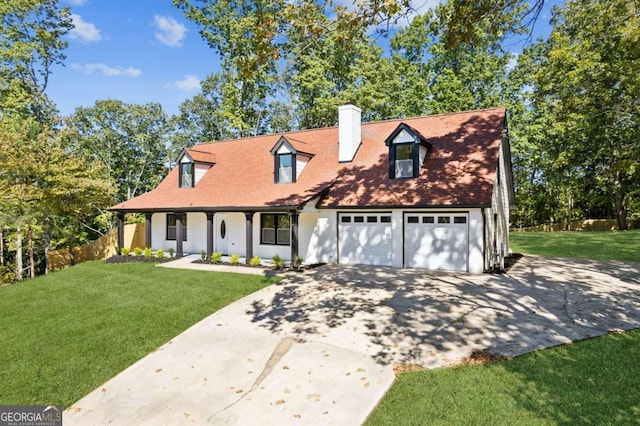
429	192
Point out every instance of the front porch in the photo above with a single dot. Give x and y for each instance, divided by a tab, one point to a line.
244	233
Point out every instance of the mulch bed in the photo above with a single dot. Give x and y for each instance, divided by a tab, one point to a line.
285	269
483	356
138	259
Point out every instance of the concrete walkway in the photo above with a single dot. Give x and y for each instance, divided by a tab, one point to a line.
320	347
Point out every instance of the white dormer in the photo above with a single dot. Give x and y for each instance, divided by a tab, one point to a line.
407	151
190	171
288	162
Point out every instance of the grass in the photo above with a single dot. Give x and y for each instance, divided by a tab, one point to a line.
595	381
66	333
607	245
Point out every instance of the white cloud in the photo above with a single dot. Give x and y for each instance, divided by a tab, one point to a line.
106	70
189	82
170	32
86	32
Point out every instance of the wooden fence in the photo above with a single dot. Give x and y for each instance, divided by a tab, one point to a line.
102	248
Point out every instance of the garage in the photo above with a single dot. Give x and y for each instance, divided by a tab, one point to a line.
365	238
437	241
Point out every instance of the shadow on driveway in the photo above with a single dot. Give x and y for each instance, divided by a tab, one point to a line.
434	319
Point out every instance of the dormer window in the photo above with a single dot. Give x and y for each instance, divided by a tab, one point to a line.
186	175
285	166
407	151
288	161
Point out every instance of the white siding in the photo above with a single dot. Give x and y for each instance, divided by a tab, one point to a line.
196	233
497	217
301	163
200	170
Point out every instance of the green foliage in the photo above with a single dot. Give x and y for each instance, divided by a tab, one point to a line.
216	257
255	261
171	251
160	253
298	262
32	41
128	139
278	263
8	274
137	251
234	259
148	252
124	251
203	254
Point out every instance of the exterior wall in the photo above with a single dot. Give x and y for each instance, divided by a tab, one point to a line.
196	233
497	217
323	238
199	171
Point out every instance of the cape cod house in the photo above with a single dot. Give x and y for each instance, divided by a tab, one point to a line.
429	192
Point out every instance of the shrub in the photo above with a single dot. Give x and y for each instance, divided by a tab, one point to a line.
171	251
278	262
160	253
203	255
124	251
8	274
137	251
216	257
234	259
255	261
148	252
298	262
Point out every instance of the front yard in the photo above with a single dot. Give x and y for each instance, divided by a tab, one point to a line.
66	333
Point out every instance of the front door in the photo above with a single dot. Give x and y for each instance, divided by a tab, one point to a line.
222	236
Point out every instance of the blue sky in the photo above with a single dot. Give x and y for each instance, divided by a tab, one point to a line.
141	51
137	51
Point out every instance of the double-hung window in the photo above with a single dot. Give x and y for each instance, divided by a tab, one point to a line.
404	160
171	227
275	228
186	175
285	168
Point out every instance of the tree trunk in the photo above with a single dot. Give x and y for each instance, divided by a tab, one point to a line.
72	238
1	247
621	211
32	261
47	244
18	253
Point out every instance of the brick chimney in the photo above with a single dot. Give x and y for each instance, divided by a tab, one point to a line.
349	131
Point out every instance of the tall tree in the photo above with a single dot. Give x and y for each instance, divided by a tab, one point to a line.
590	74
31	44
129	139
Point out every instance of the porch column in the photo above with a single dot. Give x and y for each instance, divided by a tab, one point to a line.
147	230
249	236
120	231
293	222
209	234
179	219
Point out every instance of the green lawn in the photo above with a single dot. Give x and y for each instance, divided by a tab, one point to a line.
66	333
608	245
593	382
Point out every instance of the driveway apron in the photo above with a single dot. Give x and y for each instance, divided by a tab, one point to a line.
320	347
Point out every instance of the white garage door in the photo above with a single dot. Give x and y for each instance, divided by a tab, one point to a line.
364	238
436	241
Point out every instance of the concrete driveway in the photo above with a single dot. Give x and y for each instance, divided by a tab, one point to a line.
320	347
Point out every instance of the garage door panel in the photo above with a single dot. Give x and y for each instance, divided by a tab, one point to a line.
436	241
366	242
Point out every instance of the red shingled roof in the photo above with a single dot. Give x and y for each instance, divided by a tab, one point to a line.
459	170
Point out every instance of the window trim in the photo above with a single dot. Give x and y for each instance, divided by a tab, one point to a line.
276	221
180	174
167	226
277	167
